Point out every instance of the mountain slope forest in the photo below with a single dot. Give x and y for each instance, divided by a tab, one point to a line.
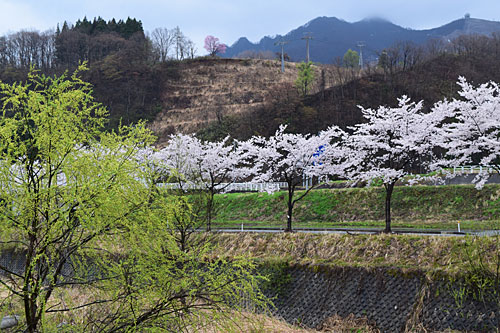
422	73
125	65
157	78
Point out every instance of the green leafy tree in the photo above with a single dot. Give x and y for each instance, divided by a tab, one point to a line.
305	77
76	205
62	187
351	59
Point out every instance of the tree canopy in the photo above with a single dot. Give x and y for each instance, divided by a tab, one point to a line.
77	204
305	77
351	59
214	46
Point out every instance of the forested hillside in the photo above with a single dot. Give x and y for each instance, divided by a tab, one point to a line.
427	73
157	78
126	67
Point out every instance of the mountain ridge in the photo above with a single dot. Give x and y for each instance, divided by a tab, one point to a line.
332	37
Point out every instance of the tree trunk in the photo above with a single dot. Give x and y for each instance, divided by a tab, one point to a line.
183	240
29	280
289	219
290	209
210	204
388	193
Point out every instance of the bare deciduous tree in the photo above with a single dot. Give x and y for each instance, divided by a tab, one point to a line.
163	40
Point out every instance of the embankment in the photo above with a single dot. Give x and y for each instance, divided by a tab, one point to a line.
426	205
393	283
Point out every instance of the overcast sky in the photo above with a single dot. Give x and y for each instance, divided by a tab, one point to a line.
231	19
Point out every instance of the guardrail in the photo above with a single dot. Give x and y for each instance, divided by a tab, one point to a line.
307	182
231	187
473	169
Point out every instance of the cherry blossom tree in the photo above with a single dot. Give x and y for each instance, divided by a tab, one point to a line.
471	134
208	166
175	161
213	46
389	146
289	158
174	206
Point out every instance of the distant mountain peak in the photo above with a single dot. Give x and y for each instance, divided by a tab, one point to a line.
332	37
322	19
376	19
242	41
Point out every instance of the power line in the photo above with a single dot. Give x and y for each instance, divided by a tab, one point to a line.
282	43
307	37
361	44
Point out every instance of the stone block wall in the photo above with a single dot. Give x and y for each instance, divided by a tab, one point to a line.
396	301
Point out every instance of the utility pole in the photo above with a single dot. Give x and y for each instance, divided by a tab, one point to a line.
282	43
361	45
307	37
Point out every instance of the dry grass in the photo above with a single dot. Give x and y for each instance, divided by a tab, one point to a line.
206	321
348	325
222	322
253	323
448	254
227	86
62	298
234	322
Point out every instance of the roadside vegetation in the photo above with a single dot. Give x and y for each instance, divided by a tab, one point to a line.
433	254
417	207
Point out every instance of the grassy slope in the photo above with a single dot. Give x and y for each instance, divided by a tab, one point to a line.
417	206
431	254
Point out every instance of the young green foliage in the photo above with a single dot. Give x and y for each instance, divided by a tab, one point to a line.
351	59
65	182
77	203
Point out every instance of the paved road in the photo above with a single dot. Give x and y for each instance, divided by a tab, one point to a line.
419	232
488	233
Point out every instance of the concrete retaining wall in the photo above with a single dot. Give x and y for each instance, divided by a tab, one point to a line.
396	301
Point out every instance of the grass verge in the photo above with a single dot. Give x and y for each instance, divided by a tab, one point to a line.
434	207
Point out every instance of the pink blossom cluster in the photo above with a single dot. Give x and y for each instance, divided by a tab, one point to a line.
213	46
